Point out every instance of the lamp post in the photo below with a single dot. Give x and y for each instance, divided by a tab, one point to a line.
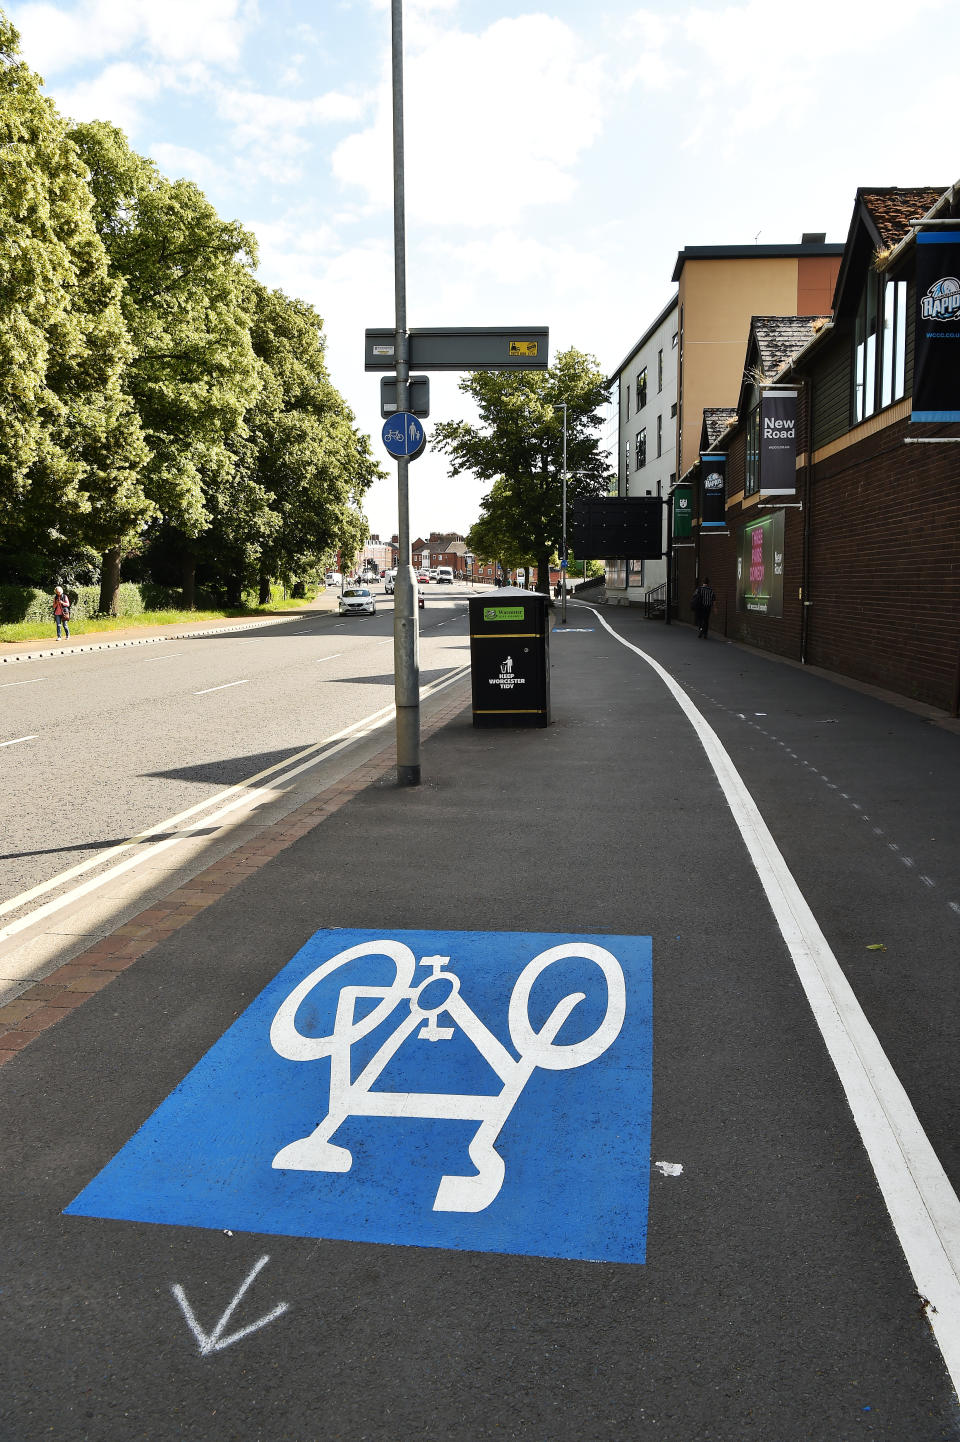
563	527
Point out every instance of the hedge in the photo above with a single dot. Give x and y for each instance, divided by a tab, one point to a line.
23	603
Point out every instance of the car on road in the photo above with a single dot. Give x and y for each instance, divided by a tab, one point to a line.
444	575
423	579
389	582
333	578
357	601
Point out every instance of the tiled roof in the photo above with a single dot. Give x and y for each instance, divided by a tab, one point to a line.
892	209
716	419
780	337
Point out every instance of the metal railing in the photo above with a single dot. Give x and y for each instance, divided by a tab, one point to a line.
655	601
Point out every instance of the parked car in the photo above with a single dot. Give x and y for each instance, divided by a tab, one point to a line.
357	601
444	575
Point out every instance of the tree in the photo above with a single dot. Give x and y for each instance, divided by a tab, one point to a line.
185	298
301	448
70	444
519	445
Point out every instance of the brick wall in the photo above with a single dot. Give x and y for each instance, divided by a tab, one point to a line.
885	565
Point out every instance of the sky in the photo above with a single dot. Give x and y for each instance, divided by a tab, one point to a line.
557	157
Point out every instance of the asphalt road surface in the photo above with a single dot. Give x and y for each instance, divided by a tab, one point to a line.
99	745
745	1234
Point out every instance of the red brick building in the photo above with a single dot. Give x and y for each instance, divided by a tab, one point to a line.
862	563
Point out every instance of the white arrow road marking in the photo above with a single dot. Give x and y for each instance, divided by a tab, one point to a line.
214	1341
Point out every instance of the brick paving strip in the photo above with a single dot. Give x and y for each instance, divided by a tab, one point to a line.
47	1002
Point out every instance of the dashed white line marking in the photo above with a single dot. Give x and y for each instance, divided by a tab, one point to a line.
928	880
954	906
32	682
907	860
16	741
332	657
224	687
166	656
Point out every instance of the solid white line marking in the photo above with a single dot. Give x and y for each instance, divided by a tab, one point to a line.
5	684
331	657
922	1204
224	687
319	752
17	741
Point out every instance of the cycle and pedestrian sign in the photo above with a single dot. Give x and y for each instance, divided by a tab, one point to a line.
403	435
486	1091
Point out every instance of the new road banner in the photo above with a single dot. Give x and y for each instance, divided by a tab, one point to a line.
487	1091
936	363
778	442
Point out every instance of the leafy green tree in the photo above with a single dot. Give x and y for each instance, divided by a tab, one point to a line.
71	448
518	445
185	299
301	448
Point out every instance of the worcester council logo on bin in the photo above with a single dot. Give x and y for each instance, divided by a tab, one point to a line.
504	613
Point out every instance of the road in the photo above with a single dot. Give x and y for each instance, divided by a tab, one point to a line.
97	746
752	1240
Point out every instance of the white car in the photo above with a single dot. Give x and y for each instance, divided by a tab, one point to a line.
389	582
333	578
357	601
444	575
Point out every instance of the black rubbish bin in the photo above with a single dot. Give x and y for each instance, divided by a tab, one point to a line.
509	658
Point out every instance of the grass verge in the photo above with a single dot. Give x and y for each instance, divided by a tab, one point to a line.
47	631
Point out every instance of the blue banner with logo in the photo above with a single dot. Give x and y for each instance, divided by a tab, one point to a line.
713	509
936	361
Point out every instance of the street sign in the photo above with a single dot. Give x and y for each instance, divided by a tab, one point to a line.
403	435
485	1091
418	399
462	348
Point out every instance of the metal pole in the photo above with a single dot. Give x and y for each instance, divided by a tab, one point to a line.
563	553
406	631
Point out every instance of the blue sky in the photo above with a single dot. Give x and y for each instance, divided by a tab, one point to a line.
557	157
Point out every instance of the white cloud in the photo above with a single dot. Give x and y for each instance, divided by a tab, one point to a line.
179	162
58	38
494	123
117	94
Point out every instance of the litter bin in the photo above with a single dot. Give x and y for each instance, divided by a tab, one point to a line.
509	658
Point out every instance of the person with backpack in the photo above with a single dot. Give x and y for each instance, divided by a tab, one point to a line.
703	599
61	611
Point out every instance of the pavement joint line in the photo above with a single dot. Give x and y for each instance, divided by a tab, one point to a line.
58	993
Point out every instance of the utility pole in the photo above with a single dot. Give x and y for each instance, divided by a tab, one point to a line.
563	547
406	630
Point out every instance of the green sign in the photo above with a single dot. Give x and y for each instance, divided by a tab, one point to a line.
682	512
503	613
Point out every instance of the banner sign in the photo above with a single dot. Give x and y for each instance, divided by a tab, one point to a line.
713	512
778	443
682	512
936	362
760	566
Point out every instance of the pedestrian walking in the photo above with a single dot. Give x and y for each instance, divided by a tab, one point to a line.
61	611
703	599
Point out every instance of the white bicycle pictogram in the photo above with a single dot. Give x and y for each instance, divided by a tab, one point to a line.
437	995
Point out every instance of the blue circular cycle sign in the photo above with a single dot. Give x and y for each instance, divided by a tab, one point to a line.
403	435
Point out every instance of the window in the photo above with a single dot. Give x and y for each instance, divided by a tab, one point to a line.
627	416
673	410
628	459
659	370
642	389
659	435
640	450
676	337
880	346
